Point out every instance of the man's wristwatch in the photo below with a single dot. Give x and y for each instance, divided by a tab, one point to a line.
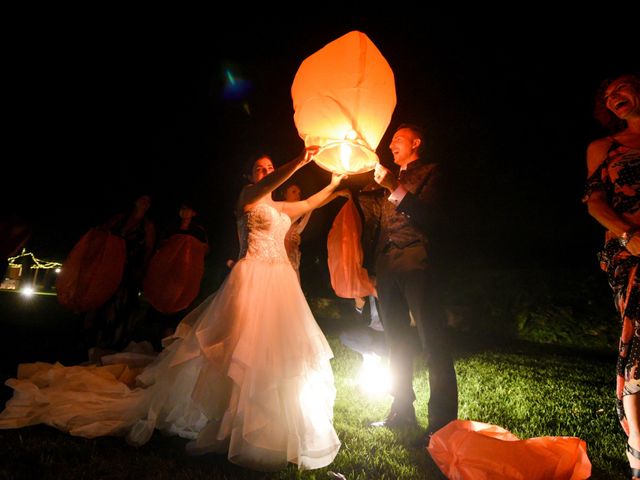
626	237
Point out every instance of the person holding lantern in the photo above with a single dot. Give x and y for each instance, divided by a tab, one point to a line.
172	281
402	221
110	327
246	373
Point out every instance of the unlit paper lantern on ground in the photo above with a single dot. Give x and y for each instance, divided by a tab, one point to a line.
468	450
343	97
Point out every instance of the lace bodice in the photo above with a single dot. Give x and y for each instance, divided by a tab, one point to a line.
261	231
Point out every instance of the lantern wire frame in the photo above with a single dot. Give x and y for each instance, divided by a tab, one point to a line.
353	157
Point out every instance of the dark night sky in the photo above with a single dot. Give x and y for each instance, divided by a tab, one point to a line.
116	107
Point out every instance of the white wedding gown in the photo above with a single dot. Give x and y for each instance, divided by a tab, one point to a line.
247	372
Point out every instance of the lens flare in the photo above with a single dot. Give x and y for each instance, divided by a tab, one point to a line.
374	377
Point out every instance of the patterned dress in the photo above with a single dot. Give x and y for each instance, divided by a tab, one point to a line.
619	178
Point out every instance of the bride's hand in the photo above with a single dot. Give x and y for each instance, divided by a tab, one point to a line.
307	154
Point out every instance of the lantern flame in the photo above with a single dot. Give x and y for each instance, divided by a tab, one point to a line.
345	155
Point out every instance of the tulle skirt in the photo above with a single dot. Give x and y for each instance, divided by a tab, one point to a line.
247	373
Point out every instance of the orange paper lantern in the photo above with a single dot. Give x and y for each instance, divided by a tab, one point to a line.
92	272
175	271
344	255
468	450
343	97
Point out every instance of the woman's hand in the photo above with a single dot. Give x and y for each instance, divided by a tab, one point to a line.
336	178
307	155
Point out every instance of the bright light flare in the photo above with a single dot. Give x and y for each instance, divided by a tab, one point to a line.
374	377
27	291
235	87
316	399
230	78
345	155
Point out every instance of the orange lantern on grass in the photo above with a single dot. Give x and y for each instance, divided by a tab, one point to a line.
343	98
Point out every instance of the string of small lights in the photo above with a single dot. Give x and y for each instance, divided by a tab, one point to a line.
37	263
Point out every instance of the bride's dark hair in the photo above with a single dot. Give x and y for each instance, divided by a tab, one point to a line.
247	169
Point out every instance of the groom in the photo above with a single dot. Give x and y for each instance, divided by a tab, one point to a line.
401	224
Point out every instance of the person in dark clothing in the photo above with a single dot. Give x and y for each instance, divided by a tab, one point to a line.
402	224
110	327
366	335
186	226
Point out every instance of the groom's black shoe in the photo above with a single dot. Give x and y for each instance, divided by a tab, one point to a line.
398	419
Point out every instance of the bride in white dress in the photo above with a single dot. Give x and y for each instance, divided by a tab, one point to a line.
247	372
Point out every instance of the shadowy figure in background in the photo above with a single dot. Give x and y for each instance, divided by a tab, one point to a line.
613	198
110	327
179	265
367	335
401	230
293	193
247	372
187	225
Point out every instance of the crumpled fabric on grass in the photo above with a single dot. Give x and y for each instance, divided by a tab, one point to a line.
469	450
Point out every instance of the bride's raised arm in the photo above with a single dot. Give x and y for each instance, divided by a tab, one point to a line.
264	183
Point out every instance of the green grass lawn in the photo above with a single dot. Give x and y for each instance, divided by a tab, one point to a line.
532	381
527	391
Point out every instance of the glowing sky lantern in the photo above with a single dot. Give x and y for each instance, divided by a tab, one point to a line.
343	97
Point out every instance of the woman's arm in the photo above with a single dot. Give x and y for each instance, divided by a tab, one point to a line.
599	208
304	219
296	209
596	153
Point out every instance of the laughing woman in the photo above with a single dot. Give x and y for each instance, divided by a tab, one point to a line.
613	199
